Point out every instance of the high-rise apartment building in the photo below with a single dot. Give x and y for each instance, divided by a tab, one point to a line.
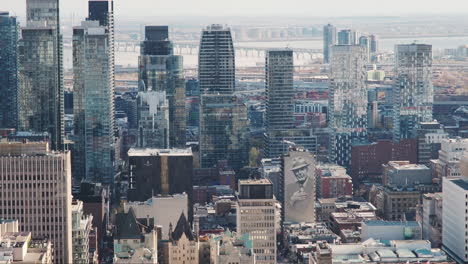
162	71
347	100
279	118
40	96
413	90
9	32
216	61
223	118
36	190
81	229
329	39
93	103
256	215
347	37
374	43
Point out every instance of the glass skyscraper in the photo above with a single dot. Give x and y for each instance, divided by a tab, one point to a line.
279	123
8	71
413	89
223	118
40	97
329	39
93	68
347	103
347	37
160	71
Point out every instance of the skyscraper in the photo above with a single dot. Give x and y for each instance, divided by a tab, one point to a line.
216	61
279	124
347	37
36	190
329	39
153	120
93	103
8	71
40	97
365	41
347	100
374	43
413	90
223	118
162	71
256	207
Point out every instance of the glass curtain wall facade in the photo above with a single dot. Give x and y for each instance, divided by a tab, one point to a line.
9	31
329	39
41	97
93	103
162	71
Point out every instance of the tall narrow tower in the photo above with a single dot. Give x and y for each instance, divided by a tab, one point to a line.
8	71
329	39
413	89
223	118
93	68
40	97
161	72
347	100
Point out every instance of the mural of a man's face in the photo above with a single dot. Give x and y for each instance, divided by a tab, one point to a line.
301	174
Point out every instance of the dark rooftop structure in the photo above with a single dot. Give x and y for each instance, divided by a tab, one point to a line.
182	227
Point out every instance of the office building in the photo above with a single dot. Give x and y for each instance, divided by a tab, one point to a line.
153	120
429	136
403	173
9	33
216	61
93	83
40	76
81	230
400	201
160	211
454	214
160	172
223	118
374	43
223	131
347	107
413	92
41	198
450	154
256	215
329	39
347	37
162	71
279	116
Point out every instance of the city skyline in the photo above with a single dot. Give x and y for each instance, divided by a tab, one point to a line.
259	7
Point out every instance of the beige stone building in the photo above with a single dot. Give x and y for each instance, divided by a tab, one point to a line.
183	244
35	188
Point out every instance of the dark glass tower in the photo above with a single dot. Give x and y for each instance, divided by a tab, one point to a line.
160	71
8	71
41	97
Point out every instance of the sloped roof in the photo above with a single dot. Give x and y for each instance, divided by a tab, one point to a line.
183	227
127	226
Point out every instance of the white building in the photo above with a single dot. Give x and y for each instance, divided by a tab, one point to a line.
256	215
391	230
163	211
450	153
81	228
20	248
36	190
455	213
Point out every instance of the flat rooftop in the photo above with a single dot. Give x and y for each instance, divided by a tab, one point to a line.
255	181
461	183
137	152
391	223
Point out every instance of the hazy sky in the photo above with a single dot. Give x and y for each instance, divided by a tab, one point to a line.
135	8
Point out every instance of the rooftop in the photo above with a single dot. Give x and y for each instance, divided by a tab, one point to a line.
461	183
391	223
255	181
136	152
